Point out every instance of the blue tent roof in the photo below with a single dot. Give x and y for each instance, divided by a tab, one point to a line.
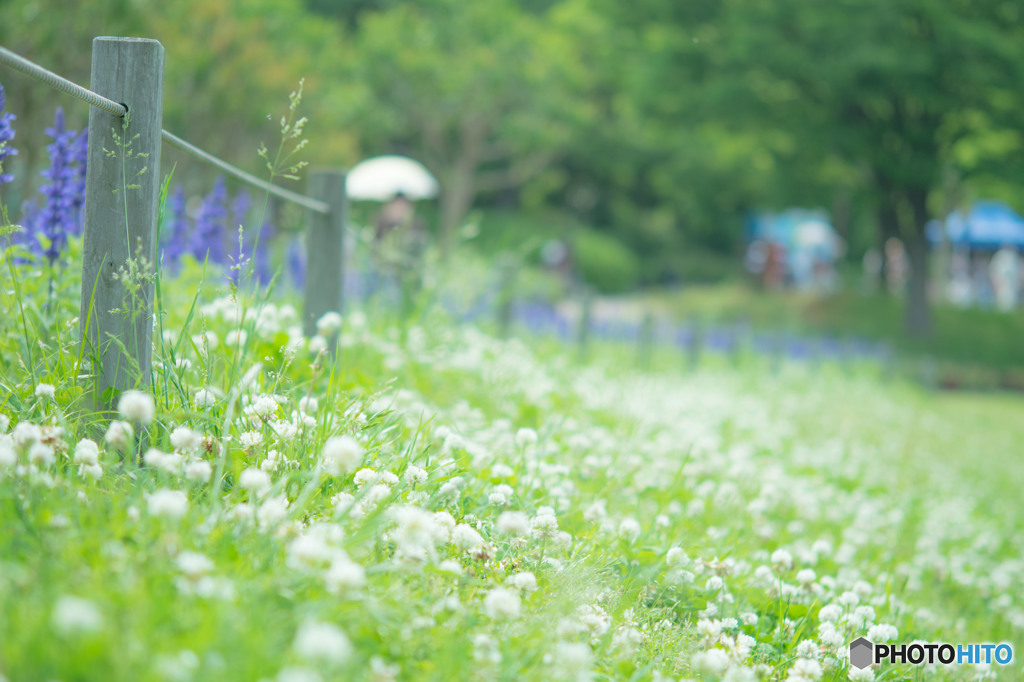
988	224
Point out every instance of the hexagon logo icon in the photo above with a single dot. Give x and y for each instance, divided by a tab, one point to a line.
861	653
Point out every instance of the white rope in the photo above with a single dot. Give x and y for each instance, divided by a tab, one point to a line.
32	69
19	63
288	195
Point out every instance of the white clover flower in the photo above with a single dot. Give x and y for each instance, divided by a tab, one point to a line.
72	615
205	398
524	581
41	454
184	439
272	511
804	670
501	603
572	660
513	523
5	422
749	618
194	563
467	538
262	406
309	405
136	407
341	454
25	434
298	674
782	558
883	632
830	613
87	452
236	337
250	439
364	476
46	391
501	471
170	504
627	639
544	524
629	529
255	481
714	583
329	324
806	576
323	642
676	557
485	649
198	471
416	528
709	629
849	599
169	463
414	475
445	524
526	437
8	457
711	663
450	566
808	648
318	344
344	574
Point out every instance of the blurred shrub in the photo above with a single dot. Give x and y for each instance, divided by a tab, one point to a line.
603	262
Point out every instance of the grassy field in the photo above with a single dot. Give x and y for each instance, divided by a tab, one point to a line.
433	503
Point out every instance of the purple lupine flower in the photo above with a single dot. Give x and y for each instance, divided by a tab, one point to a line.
174	231
6	135
57	218
263	270
76	187
297	263
208	235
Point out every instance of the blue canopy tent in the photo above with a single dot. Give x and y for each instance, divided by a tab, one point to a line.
987	225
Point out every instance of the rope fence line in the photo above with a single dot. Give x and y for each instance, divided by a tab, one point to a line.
19	63
31	69
306	202
131	70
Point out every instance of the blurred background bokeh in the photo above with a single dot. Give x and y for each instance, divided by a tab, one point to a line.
851	169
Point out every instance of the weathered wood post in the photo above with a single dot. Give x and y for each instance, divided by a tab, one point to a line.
645	342
121	196
506	267
325	248
583	330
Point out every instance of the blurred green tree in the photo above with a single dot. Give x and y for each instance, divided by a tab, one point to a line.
485	94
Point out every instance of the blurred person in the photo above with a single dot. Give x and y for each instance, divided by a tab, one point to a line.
1004	271
756	259
959	288
775	266
399	243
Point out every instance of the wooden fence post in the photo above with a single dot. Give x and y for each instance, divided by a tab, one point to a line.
506	268
121	195
325	248
645	342
583	329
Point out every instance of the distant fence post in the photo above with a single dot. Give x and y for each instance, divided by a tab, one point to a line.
645	342
120	221
325	248
583	329
506	267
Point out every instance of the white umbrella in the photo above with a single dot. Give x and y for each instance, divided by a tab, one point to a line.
382	177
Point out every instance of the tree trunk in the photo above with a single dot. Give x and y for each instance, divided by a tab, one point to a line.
918	311
456	200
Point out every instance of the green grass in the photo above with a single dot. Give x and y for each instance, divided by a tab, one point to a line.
906	499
